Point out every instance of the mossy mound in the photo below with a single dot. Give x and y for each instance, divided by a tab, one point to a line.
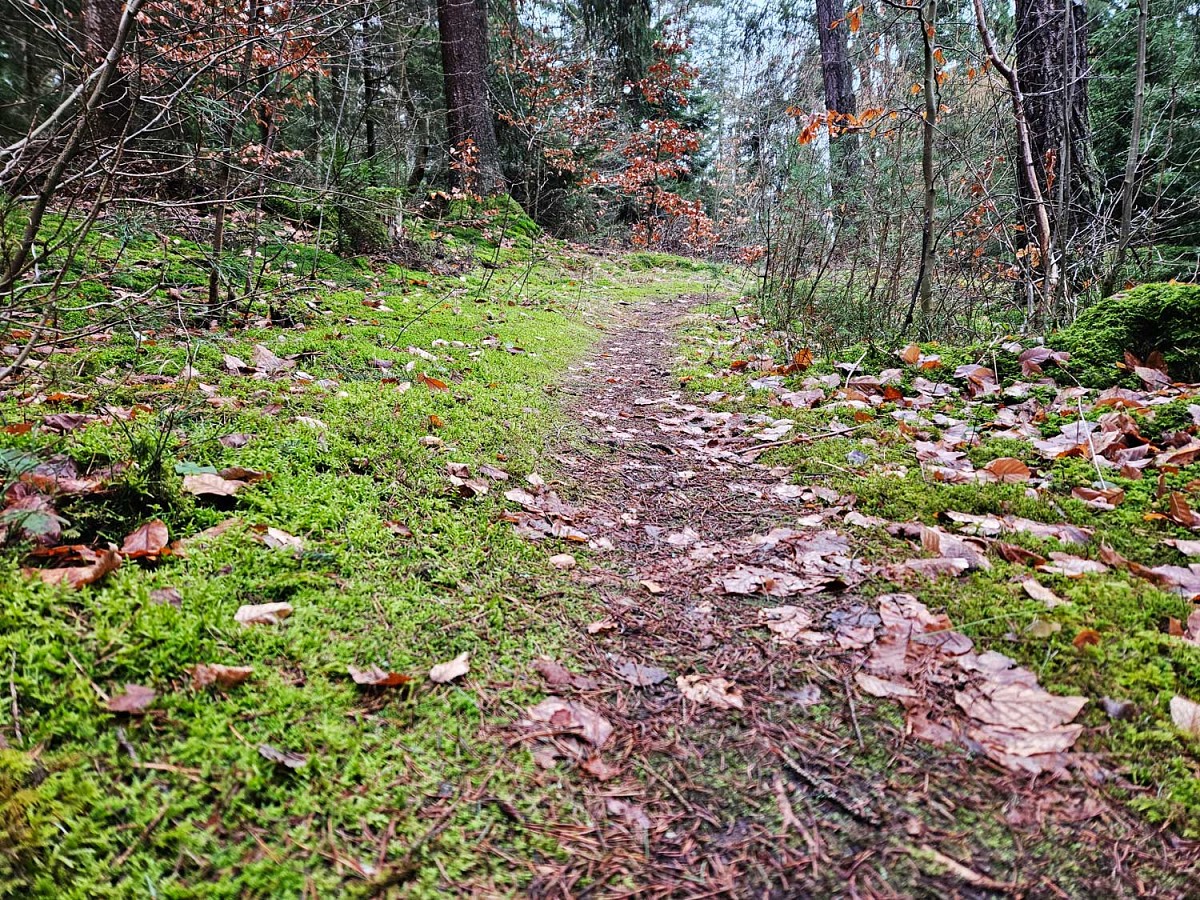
1163	317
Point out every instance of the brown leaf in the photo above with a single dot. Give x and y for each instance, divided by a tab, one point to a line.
881	687
448	671
1008	469
709	691
148	541
1108	498
1180	512
205	674
133	701
210	484
373	676
910	354
100	563
1087	637
567	715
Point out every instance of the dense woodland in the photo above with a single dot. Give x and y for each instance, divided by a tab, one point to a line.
886	168
604	448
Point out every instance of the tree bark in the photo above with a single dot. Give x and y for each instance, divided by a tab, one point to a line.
101	21
1051	65
463	30
839	89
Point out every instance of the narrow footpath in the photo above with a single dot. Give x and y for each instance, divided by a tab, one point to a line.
737	732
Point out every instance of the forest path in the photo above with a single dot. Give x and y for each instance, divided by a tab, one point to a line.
784	779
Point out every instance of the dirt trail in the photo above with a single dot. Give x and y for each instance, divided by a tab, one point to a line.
788	780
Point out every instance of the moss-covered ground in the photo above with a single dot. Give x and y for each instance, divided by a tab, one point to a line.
1132	658
401	789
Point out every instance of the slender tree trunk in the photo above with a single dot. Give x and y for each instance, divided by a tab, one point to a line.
923	289
839	89
370	89
1129	182
462	27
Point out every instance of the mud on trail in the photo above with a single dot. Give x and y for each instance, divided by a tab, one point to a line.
739	731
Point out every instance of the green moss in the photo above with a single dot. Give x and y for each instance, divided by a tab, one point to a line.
1151	317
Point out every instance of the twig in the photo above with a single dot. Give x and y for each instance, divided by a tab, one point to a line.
154	823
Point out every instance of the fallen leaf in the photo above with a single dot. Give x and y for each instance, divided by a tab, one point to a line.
133	701
373	676
148	541
562	561
708	691
262	613
100	563
434	384
205	674
448	671
1008	469
1185	714
283	757
652	586
568	715
1087	637
276	538
881	687
208	484
639	675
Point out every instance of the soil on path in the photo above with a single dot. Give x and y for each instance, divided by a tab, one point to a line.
785	779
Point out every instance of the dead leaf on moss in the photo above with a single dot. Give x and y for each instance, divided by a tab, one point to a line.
449	671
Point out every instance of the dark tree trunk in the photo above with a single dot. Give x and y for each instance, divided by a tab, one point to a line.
839	88
463	30
101	19
1053	71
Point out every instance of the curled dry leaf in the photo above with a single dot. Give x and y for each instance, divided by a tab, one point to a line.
262	613
132	701
373	676
562	561
448	671
148	541
882	687
709	691
98	563
206	674
277	538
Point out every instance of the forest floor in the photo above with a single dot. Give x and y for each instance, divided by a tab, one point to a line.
575	592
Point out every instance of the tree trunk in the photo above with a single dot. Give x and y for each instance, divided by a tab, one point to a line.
462	27
1051	54
839	89
1129	182
101	20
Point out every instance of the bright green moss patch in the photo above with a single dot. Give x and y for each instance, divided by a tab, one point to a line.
1161	317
